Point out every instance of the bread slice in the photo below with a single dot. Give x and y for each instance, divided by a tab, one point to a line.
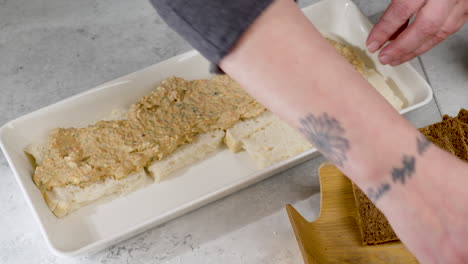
462	119
63	200
372	76
378	82
346	51
375	228
463	116
36	151
244	129
463	127
275	142
450	135
66	199
186	155
436	139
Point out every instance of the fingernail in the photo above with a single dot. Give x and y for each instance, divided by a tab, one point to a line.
395	62
385	59
373	46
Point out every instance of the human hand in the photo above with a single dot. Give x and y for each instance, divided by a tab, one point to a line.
435	21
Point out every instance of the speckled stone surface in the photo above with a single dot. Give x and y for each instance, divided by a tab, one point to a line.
53	49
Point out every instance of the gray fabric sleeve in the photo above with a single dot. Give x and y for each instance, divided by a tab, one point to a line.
210	26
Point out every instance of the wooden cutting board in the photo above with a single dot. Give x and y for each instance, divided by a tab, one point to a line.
335	237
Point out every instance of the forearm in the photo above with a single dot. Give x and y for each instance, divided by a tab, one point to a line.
378	149
295	72
283	61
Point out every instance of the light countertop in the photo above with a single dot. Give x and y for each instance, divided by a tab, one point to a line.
50	50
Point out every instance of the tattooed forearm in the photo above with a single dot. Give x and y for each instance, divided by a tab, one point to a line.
374	195
423	143
327	135
401	173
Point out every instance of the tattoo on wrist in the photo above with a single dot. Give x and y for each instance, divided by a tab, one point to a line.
327	135
374	195
423	143
401	173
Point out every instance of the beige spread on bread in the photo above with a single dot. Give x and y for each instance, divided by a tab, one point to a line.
371	75
349	54
171	116
175	126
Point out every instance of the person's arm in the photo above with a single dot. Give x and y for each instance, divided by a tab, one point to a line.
435	21
284	62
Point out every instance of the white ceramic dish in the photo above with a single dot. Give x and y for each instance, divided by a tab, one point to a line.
116	218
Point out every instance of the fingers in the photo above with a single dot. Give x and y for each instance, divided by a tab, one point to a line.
396	15
398	32
451	25
435	21
426	31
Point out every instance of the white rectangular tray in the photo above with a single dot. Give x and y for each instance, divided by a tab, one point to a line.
116	218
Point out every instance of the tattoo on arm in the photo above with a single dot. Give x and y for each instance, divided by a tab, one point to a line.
399	175
423	143
374	195
403	173
327	135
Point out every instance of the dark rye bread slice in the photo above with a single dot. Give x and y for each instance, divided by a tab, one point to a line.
451	134
373	225
462	120
437	140
463	116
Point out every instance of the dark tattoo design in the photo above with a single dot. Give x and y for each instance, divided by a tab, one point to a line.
327	135
423	144
400	174
375	195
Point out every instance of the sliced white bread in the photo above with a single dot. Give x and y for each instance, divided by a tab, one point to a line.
187	155
379	83
63	200
66	199
275	142
243	129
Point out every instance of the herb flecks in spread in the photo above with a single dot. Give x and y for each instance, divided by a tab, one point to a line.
172	115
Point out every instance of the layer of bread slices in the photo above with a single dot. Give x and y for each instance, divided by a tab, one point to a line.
63	200
379	83
66	199
275	142
243	129
187	155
